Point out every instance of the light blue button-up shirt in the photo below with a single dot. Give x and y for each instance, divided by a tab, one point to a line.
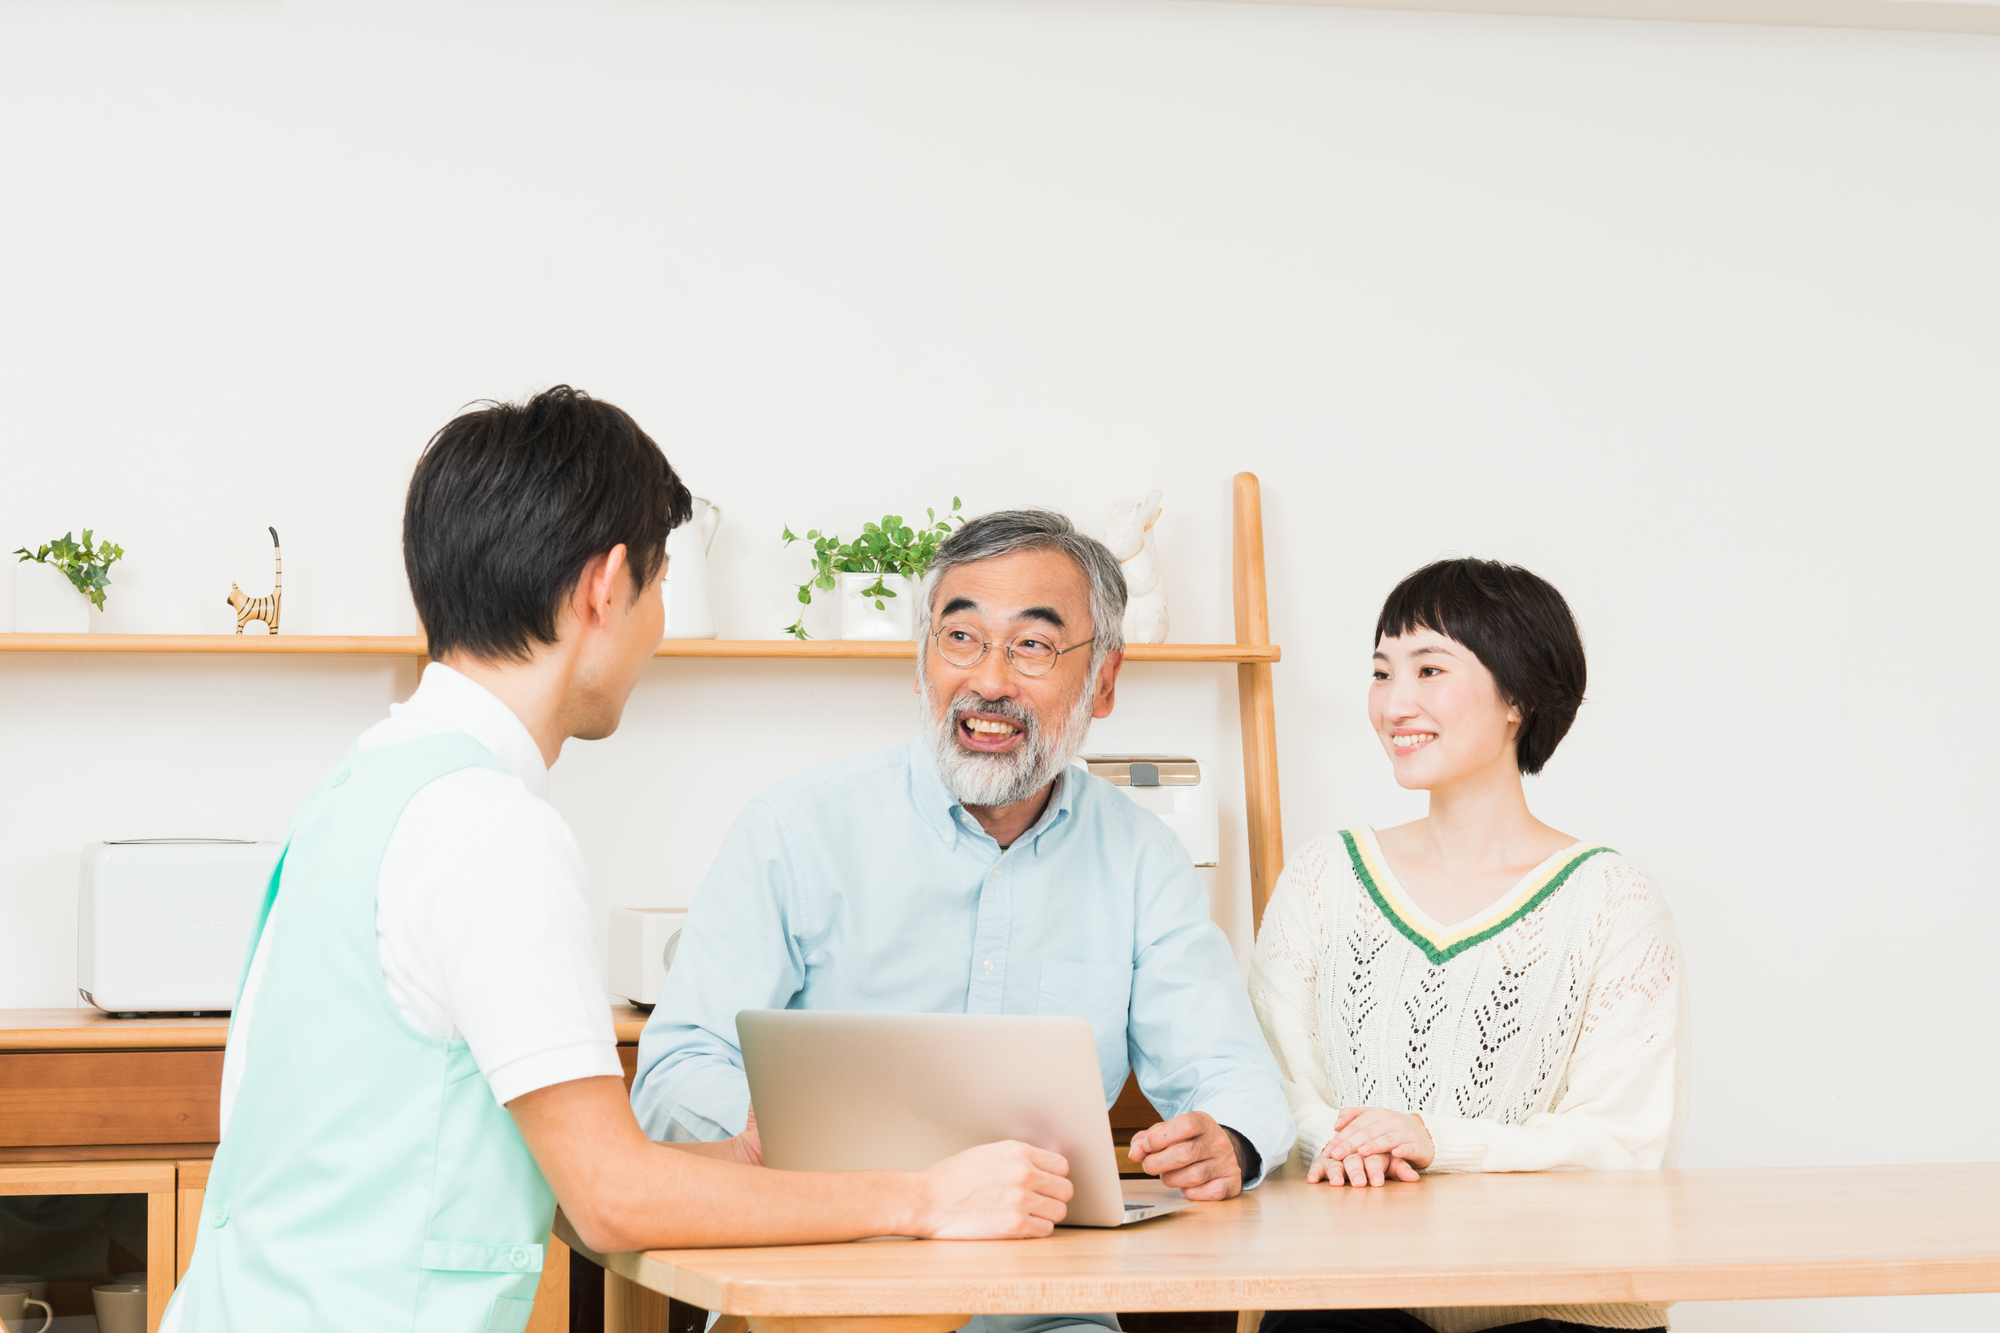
865	885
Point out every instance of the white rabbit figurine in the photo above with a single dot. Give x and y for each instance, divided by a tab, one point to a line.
1128	531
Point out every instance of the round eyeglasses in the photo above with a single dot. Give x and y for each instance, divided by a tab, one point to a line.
1030	654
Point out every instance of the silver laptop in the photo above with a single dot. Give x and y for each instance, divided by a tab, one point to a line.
900	1092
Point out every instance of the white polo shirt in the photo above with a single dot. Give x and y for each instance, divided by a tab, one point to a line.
480	918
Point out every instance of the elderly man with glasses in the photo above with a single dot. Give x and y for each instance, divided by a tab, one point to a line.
975	870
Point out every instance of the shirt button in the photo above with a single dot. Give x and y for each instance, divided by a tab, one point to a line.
220	1217
340	775
988	965
518	1256
996	874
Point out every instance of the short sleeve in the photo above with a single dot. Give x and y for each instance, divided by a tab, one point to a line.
498	934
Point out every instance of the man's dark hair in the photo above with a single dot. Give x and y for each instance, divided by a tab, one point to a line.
1514	622
510	502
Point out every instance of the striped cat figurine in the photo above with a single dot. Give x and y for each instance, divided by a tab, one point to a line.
261	608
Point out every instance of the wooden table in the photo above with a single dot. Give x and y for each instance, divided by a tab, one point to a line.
1556	1238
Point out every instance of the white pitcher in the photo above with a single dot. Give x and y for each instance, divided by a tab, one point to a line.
689	615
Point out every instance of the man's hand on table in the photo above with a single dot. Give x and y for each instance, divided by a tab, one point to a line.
998	1191
622	1192
1373	1144
1194	1154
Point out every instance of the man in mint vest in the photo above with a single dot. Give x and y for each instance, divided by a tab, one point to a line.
421	1063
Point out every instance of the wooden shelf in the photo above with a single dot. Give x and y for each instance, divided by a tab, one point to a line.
251	645
411	645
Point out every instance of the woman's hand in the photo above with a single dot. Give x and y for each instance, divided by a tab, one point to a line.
1373	1144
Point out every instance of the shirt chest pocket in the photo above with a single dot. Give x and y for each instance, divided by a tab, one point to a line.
1100	993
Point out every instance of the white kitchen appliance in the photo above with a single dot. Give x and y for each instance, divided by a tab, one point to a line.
1175	787
690	614
162	923
643	941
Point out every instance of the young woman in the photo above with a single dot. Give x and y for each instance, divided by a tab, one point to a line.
1474	991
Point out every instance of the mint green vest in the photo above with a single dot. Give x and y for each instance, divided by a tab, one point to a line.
368	1180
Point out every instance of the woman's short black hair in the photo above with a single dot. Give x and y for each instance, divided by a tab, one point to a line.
509	503
1517	624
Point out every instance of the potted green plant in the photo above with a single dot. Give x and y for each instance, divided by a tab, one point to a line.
56	585
875	573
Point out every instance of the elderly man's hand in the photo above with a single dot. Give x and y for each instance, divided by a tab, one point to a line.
1193	1154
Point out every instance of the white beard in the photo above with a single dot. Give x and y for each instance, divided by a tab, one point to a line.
1001	779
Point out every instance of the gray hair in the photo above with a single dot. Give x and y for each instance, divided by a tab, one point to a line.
1006	531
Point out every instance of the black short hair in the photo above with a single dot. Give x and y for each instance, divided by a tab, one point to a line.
511	500
1517	624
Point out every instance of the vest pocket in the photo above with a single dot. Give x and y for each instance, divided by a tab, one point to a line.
509	1315
452	1256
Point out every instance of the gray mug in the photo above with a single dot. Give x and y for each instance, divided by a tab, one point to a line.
14	1303
121	1307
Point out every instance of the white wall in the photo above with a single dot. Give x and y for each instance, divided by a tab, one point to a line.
1696	321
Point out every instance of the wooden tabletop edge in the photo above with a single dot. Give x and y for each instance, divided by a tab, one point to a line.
1041	1292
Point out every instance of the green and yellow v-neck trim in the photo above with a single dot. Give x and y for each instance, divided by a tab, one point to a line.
1442	944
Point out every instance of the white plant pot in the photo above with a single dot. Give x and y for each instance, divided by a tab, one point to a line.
46	602
859	618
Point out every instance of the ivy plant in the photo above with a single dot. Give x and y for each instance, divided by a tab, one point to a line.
89	570
889	547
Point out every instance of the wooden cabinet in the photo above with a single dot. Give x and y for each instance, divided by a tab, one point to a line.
91	1104
94	1105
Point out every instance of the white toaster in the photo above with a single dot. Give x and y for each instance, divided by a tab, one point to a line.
162	923
643	943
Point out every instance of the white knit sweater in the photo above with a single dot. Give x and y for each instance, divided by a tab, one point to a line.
1547	1033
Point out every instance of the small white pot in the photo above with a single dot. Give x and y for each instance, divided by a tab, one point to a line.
859	617
46	602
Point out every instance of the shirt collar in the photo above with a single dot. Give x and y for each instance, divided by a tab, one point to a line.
944	812
451	699
1058	807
